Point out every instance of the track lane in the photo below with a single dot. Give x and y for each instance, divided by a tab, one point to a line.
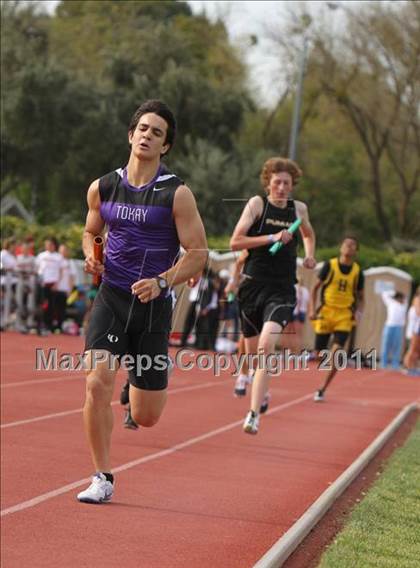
222	500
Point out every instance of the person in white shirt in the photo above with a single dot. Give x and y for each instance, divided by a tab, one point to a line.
393	332
49	263
66	283
8	281
7	261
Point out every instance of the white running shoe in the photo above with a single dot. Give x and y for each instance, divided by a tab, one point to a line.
251	423
99	491
240	385
319	396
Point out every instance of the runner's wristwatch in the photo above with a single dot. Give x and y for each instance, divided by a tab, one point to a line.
162	282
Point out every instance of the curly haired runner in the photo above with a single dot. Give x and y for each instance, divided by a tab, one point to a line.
267	294
149	212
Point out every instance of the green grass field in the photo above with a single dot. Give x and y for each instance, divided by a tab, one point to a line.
384	530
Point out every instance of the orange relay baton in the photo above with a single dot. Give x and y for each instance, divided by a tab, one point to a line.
98	254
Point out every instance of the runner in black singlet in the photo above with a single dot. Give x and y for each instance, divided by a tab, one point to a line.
267	295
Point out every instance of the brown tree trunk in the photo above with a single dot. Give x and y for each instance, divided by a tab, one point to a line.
380	213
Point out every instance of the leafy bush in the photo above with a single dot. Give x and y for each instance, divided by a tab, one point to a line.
368	257
71	235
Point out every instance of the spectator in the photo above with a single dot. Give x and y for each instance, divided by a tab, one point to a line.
90	297
208	315
28	245
299	316
49	263
392	335
8	262
229	310
213	311
8	281
25	260
77	305
65	284
26	288
412	355
191	317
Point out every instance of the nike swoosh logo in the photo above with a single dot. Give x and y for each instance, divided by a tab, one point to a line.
158	188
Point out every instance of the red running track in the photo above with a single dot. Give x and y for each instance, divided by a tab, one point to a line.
193	491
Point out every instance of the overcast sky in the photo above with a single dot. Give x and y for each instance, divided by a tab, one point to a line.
243	20
252	18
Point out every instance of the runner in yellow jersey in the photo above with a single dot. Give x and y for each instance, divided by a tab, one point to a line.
341	281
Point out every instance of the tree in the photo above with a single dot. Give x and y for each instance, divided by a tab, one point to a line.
373	78
221	182
67	106
369	74
24	43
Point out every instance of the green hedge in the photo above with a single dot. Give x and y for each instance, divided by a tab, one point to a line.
369	257
72	236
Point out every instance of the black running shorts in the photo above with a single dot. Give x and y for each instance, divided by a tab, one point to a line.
260	302
121	324
322	339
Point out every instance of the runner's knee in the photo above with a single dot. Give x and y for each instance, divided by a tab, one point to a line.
98	389
267	344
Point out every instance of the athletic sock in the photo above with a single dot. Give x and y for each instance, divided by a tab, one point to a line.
109	476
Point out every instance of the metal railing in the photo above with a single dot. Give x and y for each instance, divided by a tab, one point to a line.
18	299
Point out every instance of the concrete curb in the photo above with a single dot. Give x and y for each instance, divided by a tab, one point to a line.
283	548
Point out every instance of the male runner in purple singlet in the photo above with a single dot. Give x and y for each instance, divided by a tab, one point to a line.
148	212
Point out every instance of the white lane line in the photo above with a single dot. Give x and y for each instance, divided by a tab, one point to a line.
45	417
62	378
77	410
151	457
13	362
74	377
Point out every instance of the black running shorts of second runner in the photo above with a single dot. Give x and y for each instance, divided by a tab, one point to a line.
121	324
260	302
